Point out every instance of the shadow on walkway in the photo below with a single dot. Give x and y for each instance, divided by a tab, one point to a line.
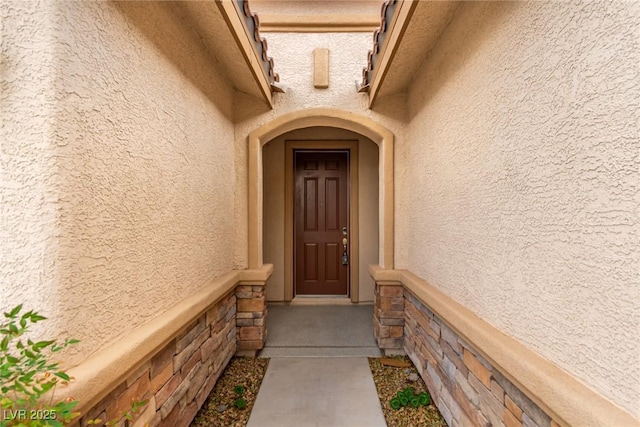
320	331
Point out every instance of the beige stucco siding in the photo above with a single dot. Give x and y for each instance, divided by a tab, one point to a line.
274	217
28	175
139	206
368	201
523	164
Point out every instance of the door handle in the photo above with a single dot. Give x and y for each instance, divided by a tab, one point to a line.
345	255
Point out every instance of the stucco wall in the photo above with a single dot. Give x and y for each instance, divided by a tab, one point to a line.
28	176
274	217
274	212
523	160
131	196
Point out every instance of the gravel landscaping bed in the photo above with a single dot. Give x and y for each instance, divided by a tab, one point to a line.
219	409
389	381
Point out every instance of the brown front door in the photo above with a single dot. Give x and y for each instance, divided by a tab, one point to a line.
321	219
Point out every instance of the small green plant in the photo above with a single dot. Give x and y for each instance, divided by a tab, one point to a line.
240	401
407	397
27	375
136	406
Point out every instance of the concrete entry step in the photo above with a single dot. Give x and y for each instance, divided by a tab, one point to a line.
330	327
321	352
317	392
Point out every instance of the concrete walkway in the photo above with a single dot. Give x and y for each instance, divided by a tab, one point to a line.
312	380
317	392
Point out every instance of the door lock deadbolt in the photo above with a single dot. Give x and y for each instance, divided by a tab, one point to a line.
345	256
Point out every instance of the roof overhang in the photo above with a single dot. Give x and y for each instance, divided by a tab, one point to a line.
403	42
230	34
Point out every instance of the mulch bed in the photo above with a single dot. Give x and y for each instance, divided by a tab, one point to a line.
219	409
389	381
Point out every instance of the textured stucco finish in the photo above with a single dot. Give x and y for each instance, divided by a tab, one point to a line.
130	202
28	175
368	183
274	209
524	168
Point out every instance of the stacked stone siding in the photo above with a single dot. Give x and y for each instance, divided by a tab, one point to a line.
467	389
179	377
250	318
388	317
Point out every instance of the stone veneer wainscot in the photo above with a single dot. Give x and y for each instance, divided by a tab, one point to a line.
178	379
477	375
466	388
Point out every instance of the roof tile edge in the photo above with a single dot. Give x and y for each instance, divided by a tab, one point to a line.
253	24
387	11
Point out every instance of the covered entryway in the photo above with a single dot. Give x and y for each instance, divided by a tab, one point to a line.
321	187
370	189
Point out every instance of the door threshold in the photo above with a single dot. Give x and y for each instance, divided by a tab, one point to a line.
321	300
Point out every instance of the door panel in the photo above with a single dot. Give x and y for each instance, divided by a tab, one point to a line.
310	262
320	213
332	207
310	204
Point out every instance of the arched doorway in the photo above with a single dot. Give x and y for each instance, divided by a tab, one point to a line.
331	118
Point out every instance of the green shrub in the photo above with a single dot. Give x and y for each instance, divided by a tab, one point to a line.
27	374
240	403
425	399
407	397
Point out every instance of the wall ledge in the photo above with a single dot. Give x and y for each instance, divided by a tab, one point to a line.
561	395
105	369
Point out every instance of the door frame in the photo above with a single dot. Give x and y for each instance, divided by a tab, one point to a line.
353	287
